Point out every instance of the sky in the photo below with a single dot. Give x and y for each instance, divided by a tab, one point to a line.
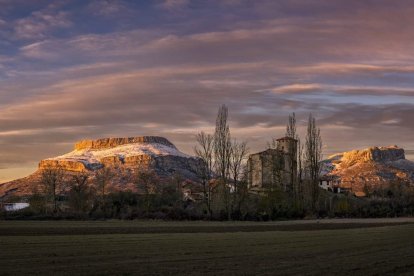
78	69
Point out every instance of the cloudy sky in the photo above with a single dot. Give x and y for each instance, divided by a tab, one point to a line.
87	69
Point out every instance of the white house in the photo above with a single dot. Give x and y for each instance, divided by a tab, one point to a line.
15	206
331	184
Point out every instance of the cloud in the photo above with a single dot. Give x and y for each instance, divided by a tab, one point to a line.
369	116
340	90
108	7
345	68
174	5
89	47
136	102
296	88
39	23
372	90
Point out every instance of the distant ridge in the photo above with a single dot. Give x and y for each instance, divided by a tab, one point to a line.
371	168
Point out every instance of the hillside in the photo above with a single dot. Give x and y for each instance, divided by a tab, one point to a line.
371	168
123	155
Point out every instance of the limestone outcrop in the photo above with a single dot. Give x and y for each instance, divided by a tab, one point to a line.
375	154
149	151
123	155
67	165
107	143
370	169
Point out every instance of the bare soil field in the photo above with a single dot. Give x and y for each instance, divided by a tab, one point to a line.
306	247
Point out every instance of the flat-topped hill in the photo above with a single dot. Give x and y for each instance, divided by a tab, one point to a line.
106	143
130	151
371	168
123	155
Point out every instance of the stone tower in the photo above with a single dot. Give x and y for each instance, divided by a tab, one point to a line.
289	146
261	166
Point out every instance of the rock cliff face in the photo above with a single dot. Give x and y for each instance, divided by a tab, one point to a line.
371	168
374	154
107	143
123	155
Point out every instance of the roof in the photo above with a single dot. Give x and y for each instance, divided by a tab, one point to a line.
329	177
267	151
360	194
286	138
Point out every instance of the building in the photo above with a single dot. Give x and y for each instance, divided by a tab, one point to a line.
274	167
330	183
15	206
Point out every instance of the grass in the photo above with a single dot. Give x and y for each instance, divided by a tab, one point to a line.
199	248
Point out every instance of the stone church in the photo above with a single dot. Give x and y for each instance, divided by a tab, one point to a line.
274	167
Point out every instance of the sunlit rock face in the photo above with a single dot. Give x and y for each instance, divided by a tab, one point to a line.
123	155
107	143
372	168
67	165
375	154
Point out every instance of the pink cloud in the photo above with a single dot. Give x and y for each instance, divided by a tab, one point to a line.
39	23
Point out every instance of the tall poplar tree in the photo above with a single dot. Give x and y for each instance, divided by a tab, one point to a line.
222	153
313	157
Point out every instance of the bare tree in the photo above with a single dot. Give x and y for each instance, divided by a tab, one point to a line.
52	179
80	191
205	150
313	156
299	188
239	152
222	153
103	176
222	144
291	127
147	181
291	133
177	180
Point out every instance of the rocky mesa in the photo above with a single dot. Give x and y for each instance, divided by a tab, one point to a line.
125	155
370	169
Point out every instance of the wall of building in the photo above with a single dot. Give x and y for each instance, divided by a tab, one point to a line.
262	166
255	170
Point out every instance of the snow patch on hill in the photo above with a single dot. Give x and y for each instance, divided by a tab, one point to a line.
93	156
